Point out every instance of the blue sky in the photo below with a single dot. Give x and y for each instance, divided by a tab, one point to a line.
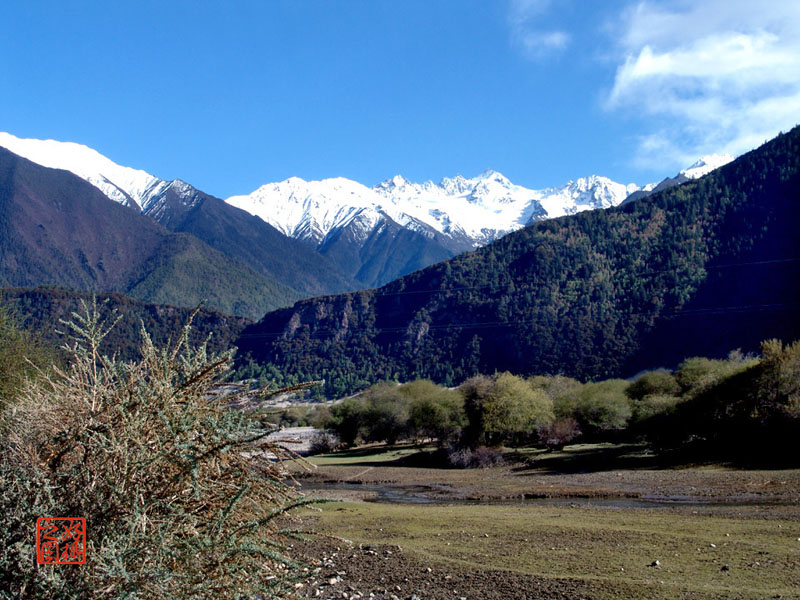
231	95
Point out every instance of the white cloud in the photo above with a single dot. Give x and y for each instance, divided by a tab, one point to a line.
535	42
712	76
538	44
522	10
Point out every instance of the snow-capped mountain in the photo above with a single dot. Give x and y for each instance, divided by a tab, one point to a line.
476	210
705	165
181	208
371	234
125	185
479	209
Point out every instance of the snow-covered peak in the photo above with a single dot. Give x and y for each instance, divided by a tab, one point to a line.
122	184
186	192
335	190
705	165
399	181
455	185
309	209
591	192
493	176
480	208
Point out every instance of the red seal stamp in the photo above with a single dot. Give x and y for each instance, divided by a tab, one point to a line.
61	541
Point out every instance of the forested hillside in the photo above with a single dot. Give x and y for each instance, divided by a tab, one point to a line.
43	310
697	269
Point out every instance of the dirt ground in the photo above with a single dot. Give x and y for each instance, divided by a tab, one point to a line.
526	530
356	571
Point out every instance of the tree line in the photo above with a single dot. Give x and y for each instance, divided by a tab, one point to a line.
738	407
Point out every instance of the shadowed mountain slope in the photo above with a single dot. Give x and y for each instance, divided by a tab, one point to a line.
56	229
246	238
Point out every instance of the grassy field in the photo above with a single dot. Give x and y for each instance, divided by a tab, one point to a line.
590	548
373	455
615	547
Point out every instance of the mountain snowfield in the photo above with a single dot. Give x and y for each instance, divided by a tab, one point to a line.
481	208
475	210
705	165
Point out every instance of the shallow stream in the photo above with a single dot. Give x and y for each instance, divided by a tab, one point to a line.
396	493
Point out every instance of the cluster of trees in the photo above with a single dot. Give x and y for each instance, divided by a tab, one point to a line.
715	405
388	412
696	269
742	408
503	409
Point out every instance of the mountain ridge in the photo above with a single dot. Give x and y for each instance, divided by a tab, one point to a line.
182	208
57	229
360	236
43	310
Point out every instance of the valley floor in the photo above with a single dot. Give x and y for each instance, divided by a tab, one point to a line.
611	527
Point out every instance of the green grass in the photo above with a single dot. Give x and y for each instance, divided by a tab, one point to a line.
383	455
615	546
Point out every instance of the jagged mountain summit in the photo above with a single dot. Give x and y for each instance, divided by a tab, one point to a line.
376	234
470	212
464	213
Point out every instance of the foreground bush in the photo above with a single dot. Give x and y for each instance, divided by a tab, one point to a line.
178	501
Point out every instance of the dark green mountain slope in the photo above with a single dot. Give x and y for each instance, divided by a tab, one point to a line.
56	229
243	237
42	309
699	268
